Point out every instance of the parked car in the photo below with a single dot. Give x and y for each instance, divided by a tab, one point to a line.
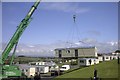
65	68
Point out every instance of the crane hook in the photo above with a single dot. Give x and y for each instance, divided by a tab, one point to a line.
74	16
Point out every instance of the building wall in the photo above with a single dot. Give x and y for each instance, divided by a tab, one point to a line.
31	71
82	52
100	58
46	70
42	69
106	58
114	57
87	52
88	63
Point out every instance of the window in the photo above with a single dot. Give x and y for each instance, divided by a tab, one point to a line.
107	57
63	67
81	61
38	64
41	69
23	70
68	51
33	63
37	69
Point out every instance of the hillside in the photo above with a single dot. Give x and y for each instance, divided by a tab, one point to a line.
105	70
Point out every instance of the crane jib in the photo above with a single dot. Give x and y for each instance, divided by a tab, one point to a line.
24	23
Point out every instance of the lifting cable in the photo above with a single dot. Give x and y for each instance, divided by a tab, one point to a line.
73	35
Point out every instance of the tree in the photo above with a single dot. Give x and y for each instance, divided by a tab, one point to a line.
117	51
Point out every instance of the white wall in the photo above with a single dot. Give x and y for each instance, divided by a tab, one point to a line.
31	71
100	58
85	61
46	70
114	57
106	58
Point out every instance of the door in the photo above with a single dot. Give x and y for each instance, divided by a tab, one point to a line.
76	52
60	53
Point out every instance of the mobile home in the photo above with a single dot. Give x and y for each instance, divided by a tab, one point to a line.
87	61
106	57
42	69
76	52
100	58
28	70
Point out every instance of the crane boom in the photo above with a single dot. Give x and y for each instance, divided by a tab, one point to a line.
13	55
22	26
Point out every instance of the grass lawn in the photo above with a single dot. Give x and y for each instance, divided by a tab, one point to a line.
108	69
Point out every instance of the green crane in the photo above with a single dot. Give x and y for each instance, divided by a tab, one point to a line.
12	70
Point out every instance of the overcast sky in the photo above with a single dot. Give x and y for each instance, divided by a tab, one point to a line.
54	21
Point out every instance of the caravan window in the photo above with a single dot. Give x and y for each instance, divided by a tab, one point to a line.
23	70
33	63
68	51
107	57
41	69
81	61
63	67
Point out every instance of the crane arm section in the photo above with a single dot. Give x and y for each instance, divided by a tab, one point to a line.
22	26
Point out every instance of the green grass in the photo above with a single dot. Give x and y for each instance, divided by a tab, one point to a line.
105	70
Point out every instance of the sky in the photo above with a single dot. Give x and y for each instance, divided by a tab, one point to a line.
53	21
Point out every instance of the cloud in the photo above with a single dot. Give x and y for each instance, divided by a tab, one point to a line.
102	47
65	7
94	32
31	46
89	40
112	43
77	43
43	50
